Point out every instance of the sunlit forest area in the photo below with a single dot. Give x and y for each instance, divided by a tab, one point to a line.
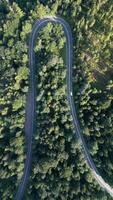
59	170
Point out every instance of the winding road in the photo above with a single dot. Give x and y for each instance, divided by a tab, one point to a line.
31	104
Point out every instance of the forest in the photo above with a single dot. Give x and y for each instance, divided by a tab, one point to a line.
59	170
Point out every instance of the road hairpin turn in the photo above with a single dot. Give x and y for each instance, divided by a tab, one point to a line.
31	101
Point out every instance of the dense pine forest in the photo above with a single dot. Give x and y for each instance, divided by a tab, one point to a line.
59	170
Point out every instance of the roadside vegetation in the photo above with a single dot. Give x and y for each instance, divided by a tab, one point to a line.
59	170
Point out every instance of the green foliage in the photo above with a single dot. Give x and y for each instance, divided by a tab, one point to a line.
59	170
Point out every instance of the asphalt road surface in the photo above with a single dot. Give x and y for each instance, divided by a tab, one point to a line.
31	104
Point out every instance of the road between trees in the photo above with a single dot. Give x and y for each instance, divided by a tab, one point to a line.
31	104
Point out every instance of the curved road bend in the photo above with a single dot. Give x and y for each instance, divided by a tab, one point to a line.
31	101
